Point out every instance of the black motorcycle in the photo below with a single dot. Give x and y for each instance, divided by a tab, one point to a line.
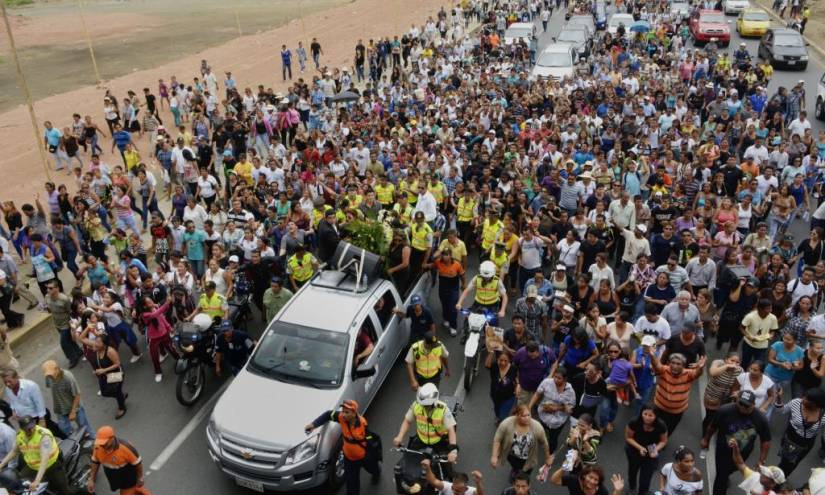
77	457
195	341
408	473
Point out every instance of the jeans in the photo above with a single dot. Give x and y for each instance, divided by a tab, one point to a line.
123	332
352	473
502	409
316	57
448	297
69	258
608	410
176	115
286	68
750	354
197	268
70	348
60	156
81	420
148	207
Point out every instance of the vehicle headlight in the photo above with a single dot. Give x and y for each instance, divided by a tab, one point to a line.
212	432
303	451
803	57
778	57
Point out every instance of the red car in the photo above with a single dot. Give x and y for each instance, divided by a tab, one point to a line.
707	24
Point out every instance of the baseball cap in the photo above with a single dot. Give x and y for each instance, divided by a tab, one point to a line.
50	368
561	267
774	473
746	398
532	291
641	228
104	434
26	422
350	404
648	340
416	299
233	259
568	308
226	325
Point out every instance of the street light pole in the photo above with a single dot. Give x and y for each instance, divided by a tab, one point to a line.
26	94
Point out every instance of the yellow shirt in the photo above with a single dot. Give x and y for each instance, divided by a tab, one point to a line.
758	330
244	171
132	158
459	250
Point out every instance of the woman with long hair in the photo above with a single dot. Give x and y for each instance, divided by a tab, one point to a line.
681	477
723	374
644	438
520	439
806	417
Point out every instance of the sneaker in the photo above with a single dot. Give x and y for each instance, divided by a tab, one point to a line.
158	378
99	393
136	358
453	332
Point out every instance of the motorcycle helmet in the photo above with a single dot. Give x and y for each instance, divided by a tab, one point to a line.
427	394
487	269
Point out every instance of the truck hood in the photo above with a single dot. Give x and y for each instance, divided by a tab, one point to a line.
277	415
714	25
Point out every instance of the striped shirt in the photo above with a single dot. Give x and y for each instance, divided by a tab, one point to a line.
802	429
719	386
673	392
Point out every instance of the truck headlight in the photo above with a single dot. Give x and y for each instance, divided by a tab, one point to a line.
778	57
803	57
303	451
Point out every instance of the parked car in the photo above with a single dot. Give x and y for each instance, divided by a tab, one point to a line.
303	365
680	9
735	6
707	24
583	20
618	19
576	36
557	61
784	47
752	22
820	98
525	31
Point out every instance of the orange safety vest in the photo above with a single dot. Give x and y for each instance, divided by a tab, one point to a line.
354	438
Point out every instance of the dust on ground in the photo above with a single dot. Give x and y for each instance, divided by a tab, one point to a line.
128	36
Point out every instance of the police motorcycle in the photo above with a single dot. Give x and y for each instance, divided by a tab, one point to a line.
77	456
408	474
475	325
195	342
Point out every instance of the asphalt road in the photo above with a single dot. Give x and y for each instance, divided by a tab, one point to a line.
171	438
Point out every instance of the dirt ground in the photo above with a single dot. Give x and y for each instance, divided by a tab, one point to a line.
164	39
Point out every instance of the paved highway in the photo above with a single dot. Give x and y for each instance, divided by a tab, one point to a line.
171	438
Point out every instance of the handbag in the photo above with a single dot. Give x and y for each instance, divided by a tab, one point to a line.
114	377
375	451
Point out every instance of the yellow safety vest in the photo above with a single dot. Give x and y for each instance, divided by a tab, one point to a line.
487	294
354	202
419	236
384	193
466	210
405	213
30	447
427	364
214	306
301	270
430	427
411	189
437	191
318	215
489	232
499	259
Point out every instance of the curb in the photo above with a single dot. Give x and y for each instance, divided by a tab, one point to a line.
34	324
816	46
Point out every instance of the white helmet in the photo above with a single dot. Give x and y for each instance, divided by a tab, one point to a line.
487	269
427	394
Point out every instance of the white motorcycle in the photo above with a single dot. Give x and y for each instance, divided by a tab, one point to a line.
475	325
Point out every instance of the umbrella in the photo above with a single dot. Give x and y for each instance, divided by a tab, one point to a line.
345	96
640	27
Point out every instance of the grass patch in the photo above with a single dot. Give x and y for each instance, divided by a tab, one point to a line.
17	3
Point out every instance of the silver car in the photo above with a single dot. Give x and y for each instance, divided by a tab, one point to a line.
302	366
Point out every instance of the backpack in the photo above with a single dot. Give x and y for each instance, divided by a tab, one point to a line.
57	264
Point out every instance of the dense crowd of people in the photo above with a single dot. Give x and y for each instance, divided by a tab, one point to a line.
626	216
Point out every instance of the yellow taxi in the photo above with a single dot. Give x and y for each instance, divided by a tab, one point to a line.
752	22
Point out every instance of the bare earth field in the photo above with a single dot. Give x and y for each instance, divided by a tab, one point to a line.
139	41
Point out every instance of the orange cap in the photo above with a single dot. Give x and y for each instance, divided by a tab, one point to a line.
104	434
351	405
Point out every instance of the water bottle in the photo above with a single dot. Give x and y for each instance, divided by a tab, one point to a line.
569	460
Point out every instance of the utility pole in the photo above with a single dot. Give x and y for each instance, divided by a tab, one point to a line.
89	42
38	137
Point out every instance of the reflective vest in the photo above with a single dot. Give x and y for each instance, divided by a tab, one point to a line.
499	259
419	236
405	212
354	438
438	191
466	210
212	306
489	233
300	270
30	447
430	427
487	294
384	193
411	189
354	201
319	214
427	364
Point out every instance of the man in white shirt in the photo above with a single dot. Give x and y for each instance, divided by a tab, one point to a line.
799	125
426	203
766	181
652	324
757	151
804	286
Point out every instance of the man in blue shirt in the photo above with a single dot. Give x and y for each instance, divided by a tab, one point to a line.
121	138
52	136
286	62
421	320
193	241
233	349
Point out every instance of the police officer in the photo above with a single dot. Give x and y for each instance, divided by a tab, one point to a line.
434	424
41	456
421	319
490	293
425	360
421	241
355	435
300	267
233	347
211	303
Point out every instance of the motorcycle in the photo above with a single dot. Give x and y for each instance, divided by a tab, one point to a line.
408	473
474	333
195	341
240	312
77	456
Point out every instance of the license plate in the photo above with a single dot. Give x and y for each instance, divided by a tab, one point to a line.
791	62
252	485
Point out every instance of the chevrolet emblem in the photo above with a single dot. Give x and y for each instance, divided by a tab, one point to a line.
247	454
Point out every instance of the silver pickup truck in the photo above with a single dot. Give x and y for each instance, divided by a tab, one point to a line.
302	366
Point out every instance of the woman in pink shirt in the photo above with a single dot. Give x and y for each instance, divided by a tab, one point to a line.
158	332
122	206
728	237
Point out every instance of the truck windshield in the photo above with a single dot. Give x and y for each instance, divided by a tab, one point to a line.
302	355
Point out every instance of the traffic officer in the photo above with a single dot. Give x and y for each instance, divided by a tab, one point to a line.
41	456
421	242
233	347
211	303
121	463
490	293
434	424
403	208
466	210
425	360
490	229
385	192
301	267
355	435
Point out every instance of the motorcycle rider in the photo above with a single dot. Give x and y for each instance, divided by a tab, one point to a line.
434	424
354	433
233	347
211	303
741	55
425	359
41	457
490	293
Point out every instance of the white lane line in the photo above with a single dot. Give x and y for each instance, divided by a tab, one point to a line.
710	460
187	430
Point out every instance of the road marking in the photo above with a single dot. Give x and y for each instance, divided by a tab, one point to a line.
710	459
187	430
